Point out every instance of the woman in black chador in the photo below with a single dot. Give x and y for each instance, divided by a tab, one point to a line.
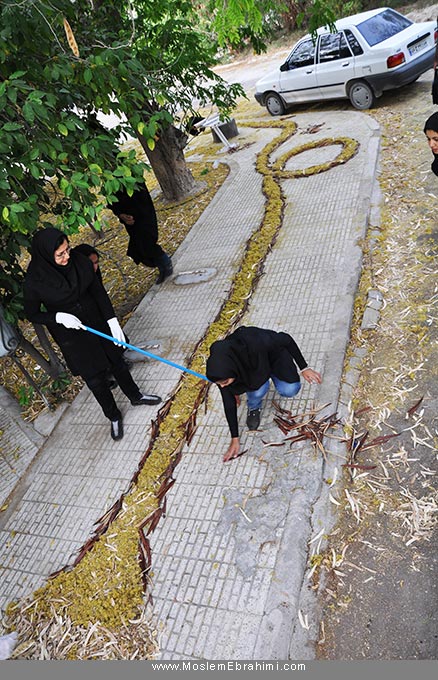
62	291
138	215
246	361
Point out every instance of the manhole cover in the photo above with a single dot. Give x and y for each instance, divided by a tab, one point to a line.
195	276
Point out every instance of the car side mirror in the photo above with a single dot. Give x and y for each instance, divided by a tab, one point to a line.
285	66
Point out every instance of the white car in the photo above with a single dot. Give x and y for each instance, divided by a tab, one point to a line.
370	52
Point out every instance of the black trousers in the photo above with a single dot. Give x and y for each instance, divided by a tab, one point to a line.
99	386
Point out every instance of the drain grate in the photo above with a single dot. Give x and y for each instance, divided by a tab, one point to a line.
195	276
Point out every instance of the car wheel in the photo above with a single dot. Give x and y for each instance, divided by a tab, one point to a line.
361	95
274	104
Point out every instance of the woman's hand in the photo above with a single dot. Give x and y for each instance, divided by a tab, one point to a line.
116	330
311	376
68	320
126	219
233	450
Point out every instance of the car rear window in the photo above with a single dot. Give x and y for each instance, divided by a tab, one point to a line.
383	26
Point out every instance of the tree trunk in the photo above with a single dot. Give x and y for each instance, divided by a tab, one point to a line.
53	370
54	360
169	165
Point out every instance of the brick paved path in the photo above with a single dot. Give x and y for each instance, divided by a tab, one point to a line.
229	557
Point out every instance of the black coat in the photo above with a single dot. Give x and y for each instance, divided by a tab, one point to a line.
143	234
75	289
251	355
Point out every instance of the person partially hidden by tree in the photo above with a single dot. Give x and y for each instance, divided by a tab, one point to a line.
246	361
431	132
137	214
92	254
62	291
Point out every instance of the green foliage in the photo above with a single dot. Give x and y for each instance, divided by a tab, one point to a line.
58	165
25	395
318	13
345	9
141	61
54	159
231	18
57	387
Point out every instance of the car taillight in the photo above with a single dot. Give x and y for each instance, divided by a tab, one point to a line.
395	60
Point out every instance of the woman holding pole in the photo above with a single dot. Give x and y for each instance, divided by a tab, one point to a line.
62	291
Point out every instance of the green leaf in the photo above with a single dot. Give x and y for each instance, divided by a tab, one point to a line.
88	75
151	143
161	100
84	150
28	113
5	213
17	74
81	184
11	127
12	94
35	171
63	129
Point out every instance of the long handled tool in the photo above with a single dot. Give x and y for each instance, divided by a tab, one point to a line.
147	354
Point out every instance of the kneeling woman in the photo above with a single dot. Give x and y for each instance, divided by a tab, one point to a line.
245	362
62	291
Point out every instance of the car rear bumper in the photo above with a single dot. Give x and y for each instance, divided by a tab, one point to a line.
403	75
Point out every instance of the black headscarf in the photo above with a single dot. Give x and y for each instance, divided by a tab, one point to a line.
432	123
242	356
43	264
251	355
54	281
87	250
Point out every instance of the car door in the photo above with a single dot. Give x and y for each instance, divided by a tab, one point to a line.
335	65
298	76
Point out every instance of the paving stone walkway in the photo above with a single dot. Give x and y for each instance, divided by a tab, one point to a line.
230	556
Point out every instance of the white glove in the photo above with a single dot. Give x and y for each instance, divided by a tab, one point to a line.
7	644
68	320
116	330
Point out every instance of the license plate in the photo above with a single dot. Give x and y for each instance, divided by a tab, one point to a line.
418	47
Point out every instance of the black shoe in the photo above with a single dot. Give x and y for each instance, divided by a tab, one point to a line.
165	268
253	419
117	429
147	400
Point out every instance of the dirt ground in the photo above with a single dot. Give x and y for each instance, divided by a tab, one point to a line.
377	582
378	587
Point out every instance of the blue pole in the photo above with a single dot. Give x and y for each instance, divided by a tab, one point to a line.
148	354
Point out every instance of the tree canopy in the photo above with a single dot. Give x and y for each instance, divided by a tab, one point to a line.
148	63
142	63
